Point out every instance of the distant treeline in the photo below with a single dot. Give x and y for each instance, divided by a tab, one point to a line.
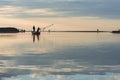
8	30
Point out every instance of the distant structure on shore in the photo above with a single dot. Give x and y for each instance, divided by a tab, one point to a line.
118	31
9	30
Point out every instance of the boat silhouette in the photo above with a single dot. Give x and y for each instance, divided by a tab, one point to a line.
35	33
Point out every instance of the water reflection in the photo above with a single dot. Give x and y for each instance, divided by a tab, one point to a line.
61	56
35	37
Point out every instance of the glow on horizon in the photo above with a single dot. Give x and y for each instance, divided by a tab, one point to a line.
73	23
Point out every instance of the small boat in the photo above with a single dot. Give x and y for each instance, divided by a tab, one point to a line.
35	33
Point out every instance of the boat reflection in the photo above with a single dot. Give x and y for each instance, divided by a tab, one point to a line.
35	37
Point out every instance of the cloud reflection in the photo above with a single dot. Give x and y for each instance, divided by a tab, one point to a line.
49	56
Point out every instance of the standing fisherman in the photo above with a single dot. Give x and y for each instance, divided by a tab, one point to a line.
38	30
33	28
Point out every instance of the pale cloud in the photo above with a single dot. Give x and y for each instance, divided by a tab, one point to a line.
38	12
6	15
22	12
9	11
67	8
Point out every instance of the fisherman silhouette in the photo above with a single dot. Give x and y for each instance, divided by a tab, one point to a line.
33	28
38	29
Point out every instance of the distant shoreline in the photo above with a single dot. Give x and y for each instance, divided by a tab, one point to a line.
15	30
74	31
7	31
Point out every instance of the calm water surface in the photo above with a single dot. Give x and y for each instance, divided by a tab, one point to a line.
60	56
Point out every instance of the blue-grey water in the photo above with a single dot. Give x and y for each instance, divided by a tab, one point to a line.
60	56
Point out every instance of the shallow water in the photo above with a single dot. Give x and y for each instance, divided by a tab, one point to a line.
60	56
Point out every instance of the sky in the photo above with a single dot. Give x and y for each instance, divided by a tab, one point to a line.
64	14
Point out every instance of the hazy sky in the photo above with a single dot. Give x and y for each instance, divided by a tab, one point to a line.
64	14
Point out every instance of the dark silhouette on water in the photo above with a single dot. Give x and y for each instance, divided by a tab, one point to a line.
38	29
37	37
33	28
8	30
118	31
22	30
34	37
36	32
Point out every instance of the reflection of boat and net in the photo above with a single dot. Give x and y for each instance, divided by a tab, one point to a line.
35	32
38	32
